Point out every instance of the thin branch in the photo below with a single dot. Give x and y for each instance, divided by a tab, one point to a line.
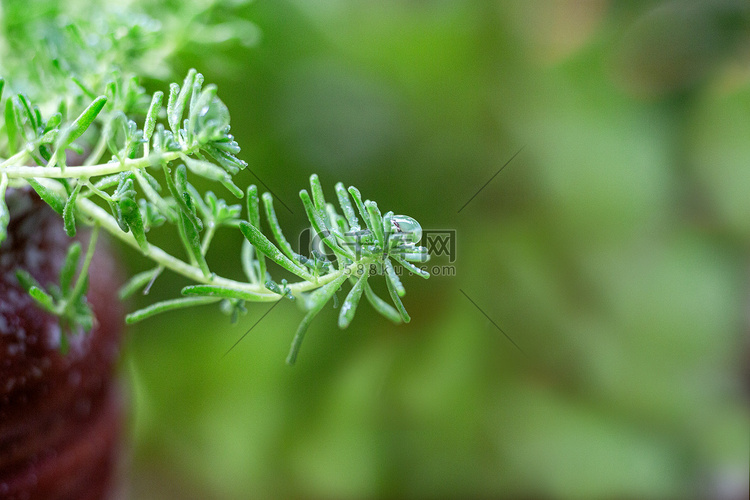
86	171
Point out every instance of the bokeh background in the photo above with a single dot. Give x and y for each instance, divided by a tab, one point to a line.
612	250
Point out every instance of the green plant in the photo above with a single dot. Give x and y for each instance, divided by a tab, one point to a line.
82	132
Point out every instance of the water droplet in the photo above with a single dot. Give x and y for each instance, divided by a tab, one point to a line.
409	228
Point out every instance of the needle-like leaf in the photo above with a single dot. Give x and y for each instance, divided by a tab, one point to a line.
349	307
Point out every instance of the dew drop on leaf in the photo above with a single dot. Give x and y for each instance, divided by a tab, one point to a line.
410	228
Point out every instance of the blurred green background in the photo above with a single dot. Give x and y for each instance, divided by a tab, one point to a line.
613	250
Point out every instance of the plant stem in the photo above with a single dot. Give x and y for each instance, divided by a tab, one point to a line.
25	172
101	218
108	223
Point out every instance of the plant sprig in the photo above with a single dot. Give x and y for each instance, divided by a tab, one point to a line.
138	172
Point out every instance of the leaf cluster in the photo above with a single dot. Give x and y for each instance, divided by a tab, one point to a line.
66	300
108	155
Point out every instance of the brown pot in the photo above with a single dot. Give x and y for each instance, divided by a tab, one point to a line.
60	414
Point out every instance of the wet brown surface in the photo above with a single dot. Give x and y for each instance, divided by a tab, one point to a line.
60	414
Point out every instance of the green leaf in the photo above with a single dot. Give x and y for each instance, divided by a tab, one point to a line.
200	107
336	221
192	242
412	253
381	306
50	197
264	246
174	91
181	183
140	280
221	212
253	205
387	226
317	194
232	187
31	116
210	120
273	223
357	197
214	173
411	267
26	280
346	206
224	292
117	214
151	216
54	122
150	179
181	195
193	109
317	300
69	218
177	108
196	93
376	221
228	161
125	187
253	216
168	305
107	182
84	88
18	114
320	228
349	307
206	169
152	115
84	120
396	300
42	298
132	215
73	131
11	127
391	275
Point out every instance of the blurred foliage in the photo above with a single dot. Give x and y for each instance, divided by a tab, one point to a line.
613	250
